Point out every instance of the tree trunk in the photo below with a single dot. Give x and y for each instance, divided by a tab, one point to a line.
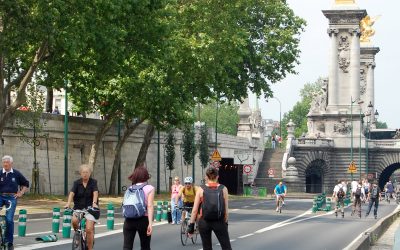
145	145
49	100
97	141
26	78
129	128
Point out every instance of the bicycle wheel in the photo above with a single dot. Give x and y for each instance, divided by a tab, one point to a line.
195	234
280	205
77	243
184	235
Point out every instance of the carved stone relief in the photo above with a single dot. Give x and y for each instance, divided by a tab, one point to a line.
342	127
363	81
344	53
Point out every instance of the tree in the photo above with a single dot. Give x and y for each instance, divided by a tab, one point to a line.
380	124
228	117
204	154
189	150
30	125
170	151
299	112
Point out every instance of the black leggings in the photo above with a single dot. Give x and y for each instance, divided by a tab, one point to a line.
220	229
131	226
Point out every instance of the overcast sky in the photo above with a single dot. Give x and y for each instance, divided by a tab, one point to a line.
315	52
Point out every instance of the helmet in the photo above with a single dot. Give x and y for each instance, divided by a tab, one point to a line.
188	180
95	212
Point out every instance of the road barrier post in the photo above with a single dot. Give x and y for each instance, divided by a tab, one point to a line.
22	223
55	225
159	211
110	216
165	211
66	228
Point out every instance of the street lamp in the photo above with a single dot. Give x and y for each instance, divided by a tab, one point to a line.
280	119
359	101
370	109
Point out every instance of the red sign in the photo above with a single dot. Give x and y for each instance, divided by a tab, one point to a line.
215	164
247	169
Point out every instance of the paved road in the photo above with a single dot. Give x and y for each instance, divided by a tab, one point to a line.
253	225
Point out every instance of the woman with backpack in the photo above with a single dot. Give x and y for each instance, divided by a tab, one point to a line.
212	202
142	223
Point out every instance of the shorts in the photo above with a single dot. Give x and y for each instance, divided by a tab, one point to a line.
88	216
188	204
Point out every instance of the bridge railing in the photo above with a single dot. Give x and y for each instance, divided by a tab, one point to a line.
313	142
384	143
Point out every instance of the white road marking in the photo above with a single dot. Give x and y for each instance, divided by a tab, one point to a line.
246	206
245	236
68	241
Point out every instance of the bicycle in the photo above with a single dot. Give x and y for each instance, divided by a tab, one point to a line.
3	228
280	204
79	241
184	226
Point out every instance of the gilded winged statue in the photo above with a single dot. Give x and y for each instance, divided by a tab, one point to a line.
344	2
366	28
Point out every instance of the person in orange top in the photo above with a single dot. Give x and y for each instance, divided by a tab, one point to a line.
207	226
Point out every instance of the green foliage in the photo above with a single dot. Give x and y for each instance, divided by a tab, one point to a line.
204	154
228	117
189	149
28	120
380	124
170	149
300	110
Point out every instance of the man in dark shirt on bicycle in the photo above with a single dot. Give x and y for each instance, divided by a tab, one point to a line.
12	186
85	194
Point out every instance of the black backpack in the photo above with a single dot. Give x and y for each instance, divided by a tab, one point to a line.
358	192
374	192
213	205
341	194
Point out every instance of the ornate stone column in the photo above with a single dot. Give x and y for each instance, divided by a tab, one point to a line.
367	83
333	70
355	65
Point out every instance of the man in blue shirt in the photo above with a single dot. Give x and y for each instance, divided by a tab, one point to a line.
12	186
280	191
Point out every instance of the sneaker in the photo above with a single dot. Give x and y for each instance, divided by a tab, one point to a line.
10	246
376	217
277	209
336	214
352	212
366	215
342	215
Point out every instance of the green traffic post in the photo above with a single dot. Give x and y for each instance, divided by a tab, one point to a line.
165	211
22	223
159	211
55	225
66	226
110	216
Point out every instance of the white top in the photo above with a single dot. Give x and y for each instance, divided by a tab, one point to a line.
338	186
354	185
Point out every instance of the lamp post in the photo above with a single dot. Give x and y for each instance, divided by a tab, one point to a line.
359	101
66	140
280	119
368	114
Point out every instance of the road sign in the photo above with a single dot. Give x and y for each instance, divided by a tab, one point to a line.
216	156
243	157
352	168
271	173
247	169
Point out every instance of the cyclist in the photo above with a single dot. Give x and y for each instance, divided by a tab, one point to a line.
189	193
85	194
389	190
280	191
12	186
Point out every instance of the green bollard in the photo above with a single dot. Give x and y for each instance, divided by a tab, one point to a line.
247	191
328	206
262	192
164	215
110	216
66	227
158	215
22	223
55	225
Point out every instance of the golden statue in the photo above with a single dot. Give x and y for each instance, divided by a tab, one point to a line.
344	2
366	28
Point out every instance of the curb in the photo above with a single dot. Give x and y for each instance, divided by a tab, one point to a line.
371	235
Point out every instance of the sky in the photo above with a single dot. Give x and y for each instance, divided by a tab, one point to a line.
314	58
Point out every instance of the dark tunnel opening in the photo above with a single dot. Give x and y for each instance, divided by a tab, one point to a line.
387	173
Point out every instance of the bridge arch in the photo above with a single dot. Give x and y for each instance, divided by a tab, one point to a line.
314	170
386	167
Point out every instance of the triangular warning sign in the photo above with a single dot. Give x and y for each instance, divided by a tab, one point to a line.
216	156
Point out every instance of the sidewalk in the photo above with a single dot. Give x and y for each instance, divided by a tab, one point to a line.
386	241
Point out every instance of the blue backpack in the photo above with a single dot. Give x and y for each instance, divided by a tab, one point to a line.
134	205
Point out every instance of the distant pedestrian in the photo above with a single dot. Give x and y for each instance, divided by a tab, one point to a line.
213	200
56	111
373	196
176	213
12	186
143	225
273	141
339	194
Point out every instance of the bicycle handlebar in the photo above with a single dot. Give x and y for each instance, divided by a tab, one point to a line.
7	207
